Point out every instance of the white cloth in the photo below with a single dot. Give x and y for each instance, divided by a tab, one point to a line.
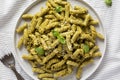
109	69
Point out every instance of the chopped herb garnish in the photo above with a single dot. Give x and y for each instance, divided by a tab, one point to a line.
40	51
58	9
59	37
55	33
108	2
86	48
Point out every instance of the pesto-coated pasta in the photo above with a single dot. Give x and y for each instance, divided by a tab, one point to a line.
77	53
62	29
67	11
27	57
77	22
93	22
21	28
52	25
87	18
58	39
97	54
43	25
45	75
33	64
32	25
58	16
88	37
43	44
20	42
50	16
39	21
38	59
85	63
95	48
53	61
69	45
50	56
25	36
48	79
100	36
75	36
38	70
69	69
54	44
59	64
52	3
27	16
79	72
81	9
60	73
72	63
60	2
43	12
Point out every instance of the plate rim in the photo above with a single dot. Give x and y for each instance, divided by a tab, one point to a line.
32	5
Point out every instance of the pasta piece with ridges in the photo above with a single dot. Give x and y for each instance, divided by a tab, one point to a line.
38	70
52	25
33	64
59	64
60	2
59	69
69	45
32	25
95	48
48	79
67	11
75	36
20	42
58	16
97	54
44	75
39	21
77	22
43	12
77	53
27	16
50	56
38	59
100	36
87	18
53	61
27	57
53	3
79	72
60	73
72	63
25	36
21	28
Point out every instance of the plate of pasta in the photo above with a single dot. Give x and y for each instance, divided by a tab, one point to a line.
59	40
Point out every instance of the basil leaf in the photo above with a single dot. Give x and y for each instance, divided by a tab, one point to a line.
86	48
40	51
58	9
108	2
55	33
61	39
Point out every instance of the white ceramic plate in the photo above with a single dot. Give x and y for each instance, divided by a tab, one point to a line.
35	7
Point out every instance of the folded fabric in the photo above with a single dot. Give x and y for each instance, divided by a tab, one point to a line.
109	69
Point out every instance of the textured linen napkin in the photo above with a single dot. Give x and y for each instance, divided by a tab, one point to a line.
109	69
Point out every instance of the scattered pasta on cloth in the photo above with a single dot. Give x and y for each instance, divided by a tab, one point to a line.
58	39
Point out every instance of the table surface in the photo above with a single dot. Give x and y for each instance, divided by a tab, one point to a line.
10	10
